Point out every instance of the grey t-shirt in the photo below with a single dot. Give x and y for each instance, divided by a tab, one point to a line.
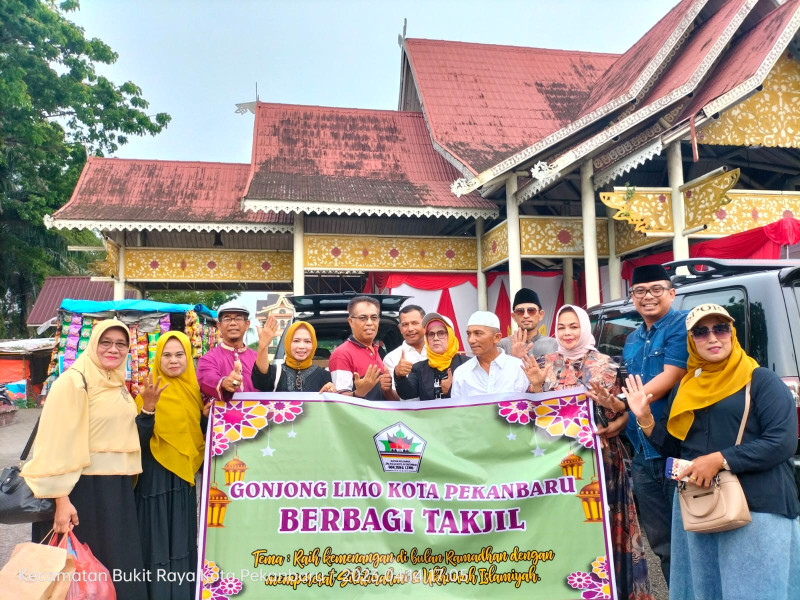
541	345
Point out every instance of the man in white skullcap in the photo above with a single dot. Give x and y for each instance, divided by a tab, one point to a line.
490	370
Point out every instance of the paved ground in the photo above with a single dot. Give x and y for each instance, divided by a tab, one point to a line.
14	436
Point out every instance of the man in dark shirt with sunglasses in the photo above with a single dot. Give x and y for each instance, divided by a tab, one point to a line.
527	313
657	352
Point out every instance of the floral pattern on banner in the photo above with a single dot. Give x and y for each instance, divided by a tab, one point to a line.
594	585
494	246
219	443
241	420
559	236
282	411
748	210
215	587
207	265
563	416
769	118
390	253
516	411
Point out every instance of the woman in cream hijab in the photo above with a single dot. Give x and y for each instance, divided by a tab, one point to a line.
171	425
87	453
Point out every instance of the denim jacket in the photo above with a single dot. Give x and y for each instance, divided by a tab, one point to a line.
646	352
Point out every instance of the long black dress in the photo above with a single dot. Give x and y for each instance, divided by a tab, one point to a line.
308	380
166	506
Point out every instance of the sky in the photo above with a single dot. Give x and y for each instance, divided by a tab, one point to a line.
195	59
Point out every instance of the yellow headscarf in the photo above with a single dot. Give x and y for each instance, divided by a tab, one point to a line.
712	383
441	362
291	361
178	443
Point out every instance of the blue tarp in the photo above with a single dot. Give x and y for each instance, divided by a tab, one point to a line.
92	306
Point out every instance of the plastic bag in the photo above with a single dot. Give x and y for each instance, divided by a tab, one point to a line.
91	580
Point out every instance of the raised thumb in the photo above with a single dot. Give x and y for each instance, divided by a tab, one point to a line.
402	354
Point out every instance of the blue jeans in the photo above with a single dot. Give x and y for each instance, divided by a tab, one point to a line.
760	560
654	493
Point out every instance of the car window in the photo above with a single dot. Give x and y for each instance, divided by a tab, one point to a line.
615	330
752	332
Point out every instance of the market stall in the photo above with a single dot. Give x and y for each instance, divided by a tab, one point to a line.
146	319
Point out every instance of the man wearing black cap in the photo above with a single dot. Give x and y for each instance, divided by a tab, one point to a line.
657	352
527	312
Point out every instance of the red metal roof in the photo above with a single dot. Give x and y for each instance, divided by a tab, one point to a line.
350	156
744	58
56	289
114	189
695	53
484	102
653	47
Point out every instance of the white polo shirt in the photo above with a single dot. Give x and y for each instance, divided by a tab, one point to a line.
505	375
390	360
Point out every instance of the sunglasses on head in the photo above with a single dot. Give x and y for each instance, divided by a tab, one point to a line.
722	331
531	310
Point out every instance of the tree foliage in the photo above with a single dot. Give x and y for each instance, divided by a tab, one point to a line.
54	109
212	299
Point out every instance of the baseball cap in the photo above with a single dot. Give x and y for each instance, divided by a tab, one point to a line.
703	311
232	307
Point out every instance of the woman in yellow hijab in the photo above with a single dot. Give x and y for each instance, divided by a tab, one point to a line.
701	424
296	374
431	379
86	455
171	424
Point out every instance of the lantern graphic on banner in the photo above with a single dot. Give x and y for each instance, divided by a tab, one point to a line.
234	470
590	500
572	465
217	505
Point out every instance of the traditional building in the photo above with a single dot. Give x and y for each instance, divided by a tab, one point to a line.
501	163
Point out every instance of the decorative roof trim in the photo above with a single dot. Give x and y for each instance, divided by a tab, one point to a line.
50	222
379	210
651	71
577	153
732	96
629	163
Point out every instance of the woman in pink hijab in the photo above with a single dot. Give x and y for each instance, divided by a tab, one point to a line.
578	363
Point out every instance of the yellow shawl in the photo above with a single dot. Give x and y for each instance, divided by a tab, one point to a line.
291	361
177	443
706	383
79	435
441	362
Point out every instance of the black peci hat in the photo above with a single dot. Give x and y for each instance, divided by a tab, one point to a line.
526	296
648	273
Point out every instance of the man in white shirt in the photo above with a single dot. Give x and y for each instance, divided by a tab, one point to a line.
400	360
490	370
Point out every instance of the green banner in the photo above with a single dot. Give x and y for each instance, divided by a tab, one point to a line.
305	495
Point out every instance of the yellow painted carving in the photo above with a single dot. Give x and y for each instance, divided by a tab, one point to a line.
558	236
647	209
148	264
770	117
700	202
750	209
109	267
627	239
494	246
372	253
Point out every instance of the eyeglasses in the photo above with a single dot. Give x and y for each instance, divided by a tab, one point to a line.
722	331
531	310
436	334
656	291
233	319
365	318
106	344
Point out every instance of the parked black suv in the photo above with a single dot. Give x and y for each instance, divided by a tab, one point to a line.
763	297
327	313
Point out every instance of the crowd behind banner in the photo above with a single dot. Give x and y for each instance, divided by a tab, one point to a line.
121	465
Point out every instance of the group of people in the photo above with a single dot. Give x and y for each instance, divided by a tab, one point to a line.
112	461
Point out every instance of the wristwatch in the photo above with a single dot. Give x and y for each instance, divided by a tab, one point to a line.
622	398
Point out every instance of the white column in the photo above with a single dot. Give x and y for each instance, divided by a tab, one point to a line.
512	221
614	262
566	275
483	297
680	243
591	266
298	257
119	282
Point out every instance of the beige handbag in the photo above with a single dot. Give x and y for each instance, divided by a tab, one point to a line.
721	507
